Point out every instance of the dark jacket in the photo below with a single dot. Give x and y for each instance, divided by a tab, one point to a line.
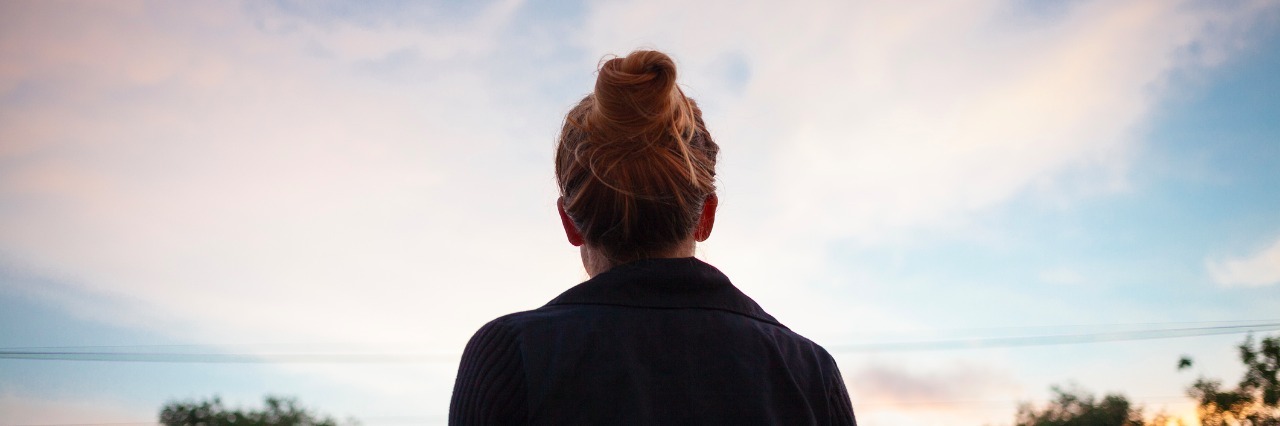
657	341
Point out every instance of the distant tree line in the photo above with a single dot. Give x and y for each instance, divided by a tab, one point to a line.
1255	401
277	411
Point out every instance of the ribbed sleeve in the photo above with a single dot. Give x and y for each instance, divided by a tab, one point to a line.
490	388
841	407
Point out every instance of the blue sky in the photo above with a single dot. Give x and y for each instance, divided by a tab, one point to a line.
302	177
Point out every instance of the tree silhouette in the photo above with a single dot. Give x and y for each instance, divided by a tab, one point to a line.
279	411
1074	407
1255	401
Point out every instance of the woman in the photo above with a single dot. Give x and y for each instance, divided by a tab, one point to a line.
655	336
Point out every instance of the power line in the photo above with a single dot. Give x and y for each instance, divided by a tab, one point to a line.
1053	339
152	355
373	420
1100	326
230	358
1001	403
91	424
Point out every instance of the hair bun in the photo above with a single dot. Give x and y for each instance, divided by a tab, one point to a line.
636	95
634	161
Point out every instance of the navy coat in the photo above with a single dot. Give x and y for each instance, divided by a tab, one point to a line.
652	342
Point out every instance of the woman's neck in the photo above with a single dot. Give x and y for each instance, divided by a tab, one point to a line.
595	261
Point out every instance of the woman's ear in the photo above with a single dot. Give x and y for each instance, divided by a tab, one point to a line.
570	230
707	219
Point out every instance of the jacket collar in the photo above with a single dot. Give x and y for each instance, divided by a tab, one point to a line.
664	283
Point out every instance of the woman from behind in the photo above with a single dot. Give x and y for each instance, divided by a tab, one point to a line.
655	336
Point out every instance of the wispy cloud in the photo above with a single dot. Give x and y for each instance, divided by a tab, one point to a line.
880	125
24	409
200	163
861	120
1257	269
250	157
885	383
892	393
239	173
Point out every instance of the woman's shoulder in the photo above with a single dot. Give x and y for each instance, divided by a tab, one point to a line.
515	322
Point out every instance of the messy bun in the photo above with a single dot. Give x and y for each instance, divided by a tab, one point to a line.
634	160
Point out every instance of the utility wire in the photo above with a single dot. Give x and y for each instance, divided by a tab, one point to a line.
1053	339
91	353
149	423
231	358
991	402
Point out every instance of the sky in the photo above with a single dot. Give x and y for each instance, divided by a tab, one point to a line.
344	192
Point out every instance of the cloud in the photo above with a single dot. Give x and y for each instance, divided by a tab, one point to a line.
863	120
338	176
949	393
882	125
262	182
1255	270
225	174
890	384
28	410
255	160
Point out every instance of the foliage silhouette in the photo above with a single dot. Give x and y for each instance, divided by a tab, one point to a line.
1074	407
279	411
1255	401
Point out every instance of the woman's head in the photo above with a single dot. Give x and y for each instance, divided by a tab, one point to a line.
634	162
